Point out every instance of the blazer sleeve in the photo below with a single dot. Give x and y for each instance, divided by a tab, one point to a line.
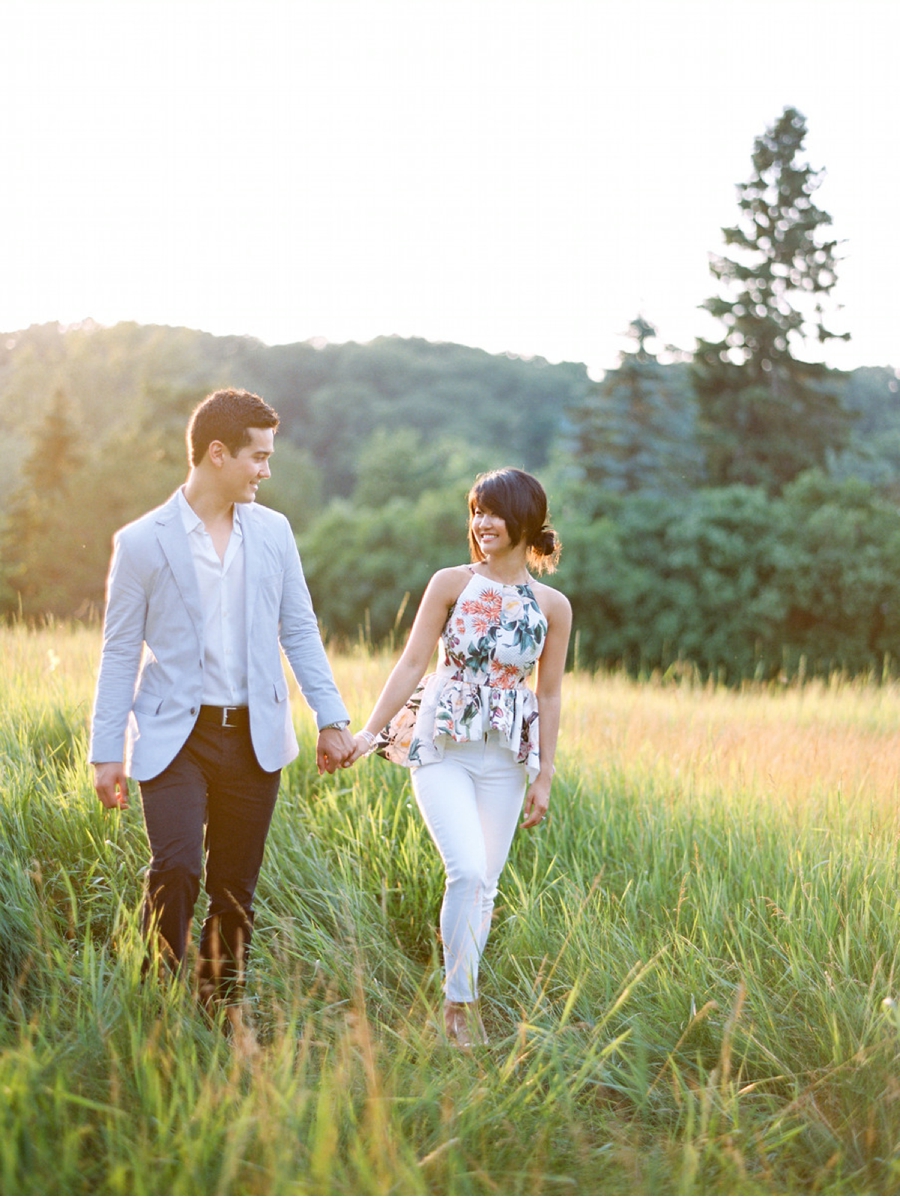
123	640
302	643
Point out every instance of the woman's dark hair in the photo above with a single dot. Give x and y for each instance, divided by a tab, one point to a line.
519	500
227	416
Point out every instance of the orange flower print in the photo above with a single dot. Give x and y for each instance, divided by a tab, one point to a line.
484	611
504	675
488	604
494	602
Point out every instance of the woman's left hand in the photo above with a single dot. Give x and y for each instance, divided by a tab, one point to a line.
537	800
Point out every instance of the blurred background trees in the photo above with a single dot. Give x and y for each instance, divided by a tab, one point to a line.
737	513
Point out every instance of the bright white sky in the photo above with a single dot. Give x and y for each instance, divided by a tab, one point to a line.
521	176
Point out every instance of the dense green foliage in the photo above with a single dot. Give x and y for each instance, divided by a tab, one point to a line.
873	454
738	583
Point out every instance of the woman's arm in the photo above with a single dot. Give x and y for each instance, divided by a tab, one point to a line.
550	669
440	595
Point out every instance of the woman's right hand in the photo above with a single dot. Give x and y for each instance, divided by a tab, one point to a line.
362	746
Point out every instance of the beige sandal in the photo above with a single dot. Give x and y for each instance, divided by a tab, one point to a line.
463	1026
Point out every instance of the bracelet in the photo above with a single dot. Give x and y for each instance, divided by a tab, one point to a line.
370	737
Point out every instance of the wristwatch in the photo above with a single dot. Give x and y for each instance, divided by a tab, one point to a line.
335	724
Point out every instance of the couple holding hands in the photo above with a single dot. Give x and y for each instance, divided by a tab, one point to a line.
203	595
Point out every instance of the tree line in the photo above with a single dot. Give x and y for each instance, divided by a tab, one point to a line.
733	509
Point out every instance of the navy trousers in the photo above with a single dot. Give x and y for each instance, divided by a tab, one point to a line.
213	795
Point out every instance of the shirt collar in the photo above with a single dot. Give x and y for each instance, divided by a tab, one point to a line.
192	522
189	517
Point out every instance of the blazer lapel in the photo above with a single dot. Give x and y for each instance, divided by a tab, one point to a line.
174	542
252	560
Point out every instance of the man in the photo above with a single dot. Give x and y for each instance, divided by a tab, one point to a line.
192	700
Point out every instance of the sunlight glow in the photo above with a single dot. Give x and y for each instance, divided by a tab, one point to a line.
521	177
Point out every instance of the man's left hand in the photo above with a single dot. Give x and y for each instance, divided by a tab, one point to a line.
334	748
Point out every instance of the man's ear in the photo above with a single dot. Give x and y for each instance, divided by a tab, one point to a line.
217	452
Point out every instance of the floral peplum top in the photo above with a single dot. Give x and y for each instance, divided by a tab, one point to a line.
494	634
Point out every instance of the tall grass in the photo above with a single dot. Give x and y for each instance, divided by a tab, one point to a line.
684	986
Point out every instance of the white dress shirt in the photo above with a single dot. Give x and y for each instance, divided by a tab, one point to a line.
223	599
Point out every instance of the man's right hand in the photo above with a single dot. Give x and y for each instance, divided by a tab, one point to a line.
111	784
334	748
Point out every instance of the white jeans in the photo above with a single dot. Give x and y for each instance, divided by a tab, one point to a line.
471	803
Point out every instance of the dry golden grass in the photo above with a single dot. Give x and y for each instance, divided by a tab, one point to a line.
797	748
833	742
50	668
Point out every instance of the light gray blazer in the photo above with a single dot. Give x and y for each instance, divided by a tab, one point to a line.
151	671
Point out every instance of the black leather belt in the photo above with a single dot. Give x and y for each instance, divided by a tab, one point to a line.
225	718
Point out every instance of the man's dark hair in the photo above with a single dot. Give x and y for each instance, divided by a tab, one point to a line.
227	416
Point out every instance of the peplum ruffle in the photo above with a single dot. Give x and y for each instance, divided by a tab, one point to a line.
444	707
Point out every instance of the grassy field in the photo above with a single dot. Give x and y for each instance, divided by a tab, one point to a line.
688	986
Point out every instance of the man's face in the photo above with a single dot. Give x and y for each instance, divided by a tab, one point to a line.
243	472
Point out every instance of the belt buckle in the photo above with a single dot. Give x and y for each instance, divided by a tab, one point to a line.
225	724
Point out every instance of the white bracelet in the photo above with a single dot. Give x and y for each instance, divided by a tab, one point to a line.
370	737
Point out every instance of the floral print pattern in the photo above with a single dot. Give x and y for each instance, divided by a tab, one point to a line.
494	634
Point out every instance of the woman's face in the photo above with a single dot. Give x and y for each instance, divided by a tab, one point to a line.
489	530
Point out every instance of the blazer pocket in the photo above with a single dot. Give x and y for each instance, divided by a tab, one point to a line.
281	691
149	704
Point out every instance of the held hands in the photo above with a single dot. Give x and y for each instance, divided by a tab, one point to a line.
329	760
363	740
334	748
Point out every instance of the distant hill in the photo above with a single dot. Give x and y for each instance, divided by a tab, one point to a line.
330	399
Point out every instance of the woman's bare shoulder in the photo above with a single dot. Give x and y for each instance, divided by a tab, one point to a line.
447	584
552	602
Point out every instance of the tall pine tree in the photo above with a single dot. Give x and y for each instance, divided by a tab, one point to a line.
767	414
637	429
47	538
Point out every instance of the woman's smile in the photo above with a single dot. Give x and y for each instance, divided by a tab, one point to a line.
490	530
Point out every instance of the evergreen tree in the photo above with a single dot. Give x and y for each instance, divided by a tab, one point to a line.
768	415
48	550
637	429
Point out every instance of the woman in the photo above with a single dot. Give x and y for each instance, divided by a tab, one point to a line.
470	731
